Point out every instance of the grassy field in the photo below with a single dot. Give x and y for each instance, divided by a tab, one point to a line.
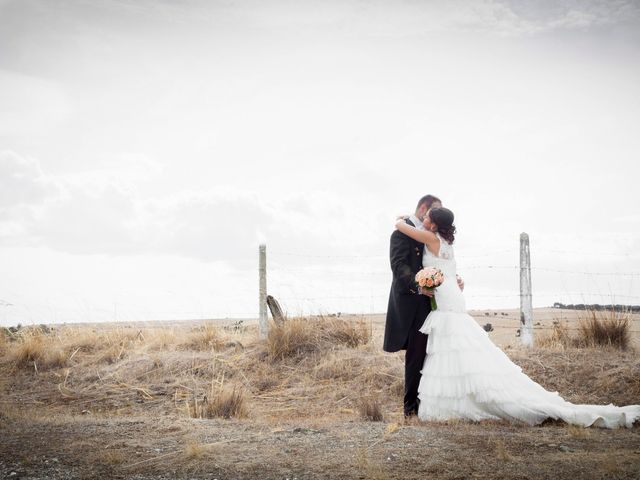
318	400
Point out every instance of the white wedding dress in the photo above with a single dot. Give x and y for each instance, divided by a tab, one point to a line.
465	376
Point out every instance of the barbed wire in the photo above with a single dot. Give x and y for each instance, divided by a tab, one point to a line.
514	295
570	252
473	267
333	271
306	255
469	255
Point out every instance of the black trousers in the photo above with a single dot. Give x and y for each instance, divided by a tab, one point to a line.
413	363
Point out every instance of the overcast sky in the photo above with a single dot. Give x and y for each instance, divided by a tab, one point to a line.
148	147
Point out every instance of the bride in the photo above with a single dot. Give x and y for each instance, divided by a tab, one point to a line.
465	376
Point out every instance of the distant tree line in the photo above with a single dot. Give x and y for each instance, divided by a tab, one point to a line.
596	306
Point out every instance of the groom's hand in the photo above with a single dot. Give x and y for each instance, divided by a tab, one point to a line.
460	282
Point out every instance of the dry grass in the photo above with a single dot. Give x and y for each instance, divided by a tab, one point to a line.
5	335
371	410
299	336
500	451
367	467
291	338
113	457
37	350
322	368
584	375
578	432
194	451
221	402
57	348
605	329
339	367
205	338
343	332
559	337
228	403
392	428
330	384
596	329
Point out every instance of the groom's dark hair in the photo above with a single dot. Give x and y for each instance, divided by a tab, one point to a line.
429	200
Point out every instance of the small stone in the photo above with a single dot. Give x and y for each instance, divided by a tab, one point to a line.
564	448
552	445
13	474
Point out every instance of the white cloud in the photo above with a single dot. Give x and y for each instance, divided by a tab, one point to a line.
87	222
22	181
102	212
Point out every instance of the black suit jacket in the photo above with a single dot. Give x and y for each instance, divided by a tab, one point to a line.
407	310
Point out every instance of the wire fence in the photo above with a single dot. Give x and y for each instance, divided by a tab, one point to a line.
307	283
360	283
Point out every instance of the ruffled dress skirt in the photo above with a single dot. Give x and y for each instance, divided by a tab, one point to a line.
465	376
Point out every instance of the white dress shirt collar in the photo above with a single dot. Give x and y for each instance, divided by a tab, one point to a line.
416	221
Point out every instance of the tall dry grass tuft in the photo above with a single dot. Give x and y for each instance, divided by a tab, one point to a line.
371	410
595	329
222	402
605	329
291	338
30	347
299	336
33	348
228	403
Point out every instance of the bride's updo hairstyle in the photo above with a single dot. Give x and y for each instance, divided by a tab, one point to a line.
443	218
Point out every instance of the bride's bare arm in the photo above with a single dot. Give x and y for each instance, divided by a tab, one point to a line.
423	236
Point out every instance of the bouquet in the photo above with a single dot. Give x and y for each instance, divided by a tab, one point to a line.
430	278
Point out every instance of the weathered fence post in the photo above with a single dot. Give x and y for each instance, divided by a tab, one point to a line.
526	309
276	310
262	268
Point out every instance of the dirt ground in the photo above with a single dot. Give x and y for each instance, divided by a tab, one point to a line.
99	414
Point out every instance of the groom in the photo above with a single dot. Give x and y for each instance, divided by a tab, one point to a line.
408	307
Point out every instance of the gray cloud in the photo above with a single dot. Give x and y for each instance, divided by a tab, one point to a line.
526	17
100	213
